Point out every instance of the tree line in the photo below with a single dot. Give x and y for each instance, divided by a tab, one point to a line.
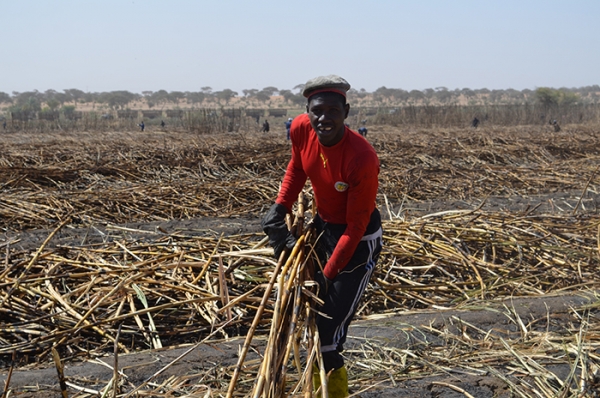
69	99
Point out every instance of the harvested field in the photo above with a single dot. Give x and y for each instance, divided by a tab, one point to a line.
143	251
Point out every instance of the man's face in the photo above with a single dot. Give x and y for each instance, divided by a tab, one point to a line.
327	113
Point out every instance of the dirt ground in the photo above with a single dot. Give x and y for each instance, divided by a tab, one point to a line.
410	331
405	331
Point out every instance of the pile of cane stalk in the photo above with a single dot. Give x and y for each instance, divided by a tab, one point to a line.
138	289
293	320
173	289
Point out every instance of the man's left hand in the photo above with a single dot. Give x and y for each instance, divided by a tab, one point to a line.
323	281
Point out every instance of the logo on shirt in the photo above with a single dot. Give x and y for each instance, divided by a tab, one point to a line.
341	186
324	159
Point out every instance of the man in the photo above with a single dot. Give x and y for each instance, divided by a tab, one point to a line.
343	169
265	127
288	127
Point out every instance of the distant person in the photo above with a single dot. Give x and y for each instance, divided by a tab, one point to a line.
162	124
555	125
4	124
288	126
142	126
363	131
265	127
475	122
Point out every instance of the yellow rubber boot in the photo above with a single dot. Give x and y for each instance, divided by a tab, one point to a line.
337	383
316	377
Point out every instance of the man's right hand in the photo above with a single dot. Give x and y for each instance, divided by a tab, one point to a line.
273	224
324	283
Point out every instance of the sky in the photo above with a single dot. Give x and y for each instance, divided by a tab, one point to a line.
184	45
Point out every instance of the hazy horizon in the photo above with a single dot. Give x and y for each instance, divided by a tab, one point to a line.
185	45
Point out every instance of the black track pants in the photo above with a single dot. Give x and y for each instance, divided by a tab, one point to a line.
344	293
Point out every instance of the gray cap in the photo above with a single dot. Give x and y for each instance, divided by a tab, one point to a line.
332	83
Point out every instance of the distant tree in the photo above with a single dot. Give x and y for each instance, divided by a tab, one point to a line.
195	97
33	104
49	94
299	87
226	95
27	96
354	93
262	96
118	99
53	104
270	90
593	92
468	93
298	99
295	99
286	94
428	92
159	97
569	98
416	95
514	95
496	96
63	97
381	94
399	95
362	93
442	95
527	94
547	97
27	103
74	95
206	90
176	96
68	110
552	98
148	97
250	93
90	97
5	98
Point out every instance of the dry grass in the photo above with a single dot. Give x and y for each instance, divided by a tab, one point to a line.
137	290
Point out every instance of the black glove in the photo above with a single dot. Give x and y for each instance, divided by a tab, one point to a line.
324	283
274	226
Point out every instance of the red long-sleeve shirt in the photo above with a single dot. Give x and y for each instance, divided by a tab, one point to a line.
344	178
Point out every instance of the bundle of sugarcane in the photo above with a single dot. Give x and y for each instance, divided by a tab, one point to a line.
293	320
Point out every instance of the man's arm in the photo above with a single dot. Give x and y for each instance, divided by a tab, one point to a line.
294	178
273	223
